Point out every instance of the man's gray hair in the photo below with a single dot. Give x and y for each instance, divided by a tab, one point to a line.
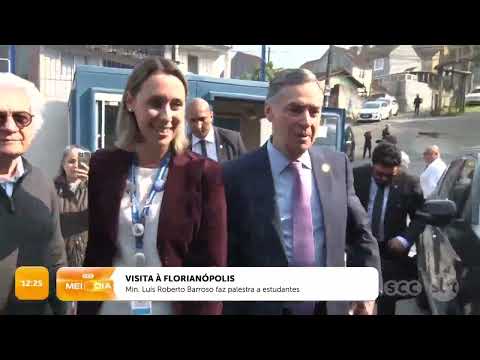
433	149
37	101
290	77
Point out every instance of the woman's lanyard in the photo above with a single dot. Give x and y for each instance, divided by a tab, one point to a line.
138	217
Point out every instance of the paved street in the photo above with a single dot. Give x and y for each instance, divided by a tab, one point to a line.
452	134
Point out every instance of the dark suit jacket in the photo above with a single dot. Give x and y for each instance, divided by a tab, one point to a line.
254	230
30	236
229	144
405	198
192	229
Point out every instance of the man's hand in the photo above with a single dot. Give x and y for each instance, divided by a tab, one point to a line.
363	308
396	247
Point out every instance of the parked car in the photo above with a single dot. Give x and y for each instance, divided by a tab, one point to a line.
374	110
392	105
448	252
330	119
473	98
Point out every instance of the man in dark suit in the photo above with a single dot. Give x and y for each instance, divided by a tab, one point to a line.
389	195
289	204
210	141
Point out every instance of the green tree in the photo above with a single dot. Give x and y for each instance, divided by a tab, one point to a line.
270	72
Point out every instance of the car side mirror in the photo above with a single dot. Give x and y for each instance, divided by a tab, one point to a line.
437	212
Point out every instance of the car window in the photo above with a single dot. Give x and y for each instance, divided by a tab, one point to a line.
457	183
348	134
449	178
371	106
476	91
330	121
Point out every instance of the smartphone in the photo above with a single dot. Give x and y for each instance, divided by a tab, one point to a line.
84	157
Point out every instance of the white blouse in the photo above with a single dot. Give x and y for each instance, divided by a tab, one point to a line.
126	242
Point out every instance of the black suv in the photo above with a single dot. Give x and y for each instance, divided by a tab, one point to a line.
448	253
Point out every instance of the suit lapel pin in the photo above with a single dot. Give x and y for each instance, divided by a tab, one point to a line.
325	168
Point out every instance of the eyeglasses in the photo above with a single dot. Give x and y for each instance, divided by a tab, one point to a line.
21	118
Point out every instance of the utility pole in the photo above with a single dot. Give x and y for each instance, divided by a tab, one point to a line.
326	96
174	53
12	58
440	91
269	48
262	65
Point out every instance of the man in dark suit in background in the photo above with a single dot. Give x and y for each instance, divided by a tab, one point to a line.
210	141
389	195
291	204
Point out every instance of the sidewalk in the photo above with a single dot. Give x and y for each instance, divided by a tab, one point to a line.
411	115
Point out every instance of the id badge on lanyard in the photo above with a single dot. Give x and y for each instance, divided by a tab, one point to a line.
144	307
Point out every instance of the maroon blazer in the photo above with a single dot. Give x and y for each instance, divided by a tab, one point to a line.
192	227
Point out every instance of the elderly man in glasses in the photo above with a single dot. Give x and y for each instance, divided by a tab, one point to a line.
390	195
29	216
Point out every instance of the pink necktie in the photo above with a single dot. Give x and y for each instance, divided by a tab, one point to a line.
303	242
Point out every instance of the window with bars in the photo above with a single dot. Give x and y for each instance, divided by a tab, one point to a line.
378	64
193	64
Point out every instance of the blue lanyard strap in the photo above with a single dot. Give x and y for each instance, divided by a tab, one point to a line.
138	217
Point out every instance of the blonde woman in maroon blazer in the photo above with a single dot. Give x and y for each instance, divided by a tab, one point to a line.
152	202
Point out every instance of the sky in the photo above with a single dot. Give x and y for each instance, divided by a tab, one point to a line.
287	56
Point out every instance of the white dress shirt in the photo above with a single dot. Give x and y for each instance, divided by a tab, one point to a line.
126	241
209	143
430	176
8	185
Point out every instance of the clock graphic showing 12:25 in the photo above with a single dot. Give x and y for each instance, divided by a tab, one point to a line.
31	283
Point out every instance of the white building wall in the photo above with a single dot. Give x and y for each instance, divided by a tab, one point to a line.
56	69
227	65
182	58
48	145
221	65
402	58
366	79
55	78
209	64
412	88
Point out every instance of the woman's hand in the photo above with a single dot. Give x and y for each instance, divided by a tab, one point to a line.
82	171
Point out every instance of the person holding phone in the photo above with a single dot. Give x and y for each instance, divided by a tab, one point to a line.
72	190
